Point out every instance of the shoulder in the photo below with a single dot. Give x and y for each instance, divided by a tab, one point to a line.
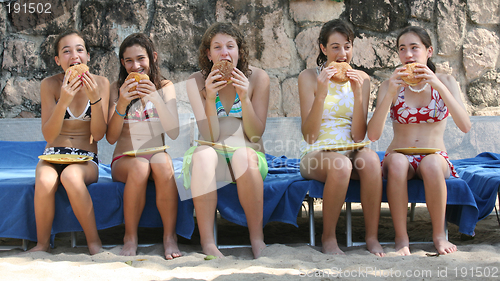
198	77
258	74
308	76
446	78
101	80
309	73
53	81
363	74
166	82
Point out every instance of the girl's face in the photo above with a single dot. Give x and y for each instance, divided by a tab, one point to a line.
223	47
135	59
71	51
411	49
338	48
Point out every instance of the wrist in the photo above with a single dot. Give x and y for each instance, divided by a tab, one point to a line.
117	112
95	102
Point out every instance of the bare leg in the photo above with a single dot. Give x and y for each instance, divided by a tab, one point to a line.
47	181
203	187
81	202
251	195
166	201
433	169
367	167
134	172
334	170
398	171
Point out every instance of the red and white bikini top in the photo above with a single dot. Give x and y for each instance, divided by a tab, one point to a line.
434	112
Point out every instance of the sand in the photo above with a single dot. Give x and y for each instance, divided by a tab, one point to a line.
286	257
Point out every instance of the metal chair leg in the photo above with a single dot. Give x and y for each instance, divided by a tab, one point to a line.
312	232
348	217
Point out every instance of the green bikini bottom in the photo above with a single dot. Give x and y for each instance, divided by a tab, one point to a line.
188	157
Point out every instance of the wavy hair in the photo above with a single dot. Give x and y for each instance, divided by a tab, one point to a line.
228	29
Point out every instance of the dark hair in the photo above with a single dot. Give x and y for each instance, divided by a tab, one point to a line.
330	27
64	34
424	37
231	30
154	67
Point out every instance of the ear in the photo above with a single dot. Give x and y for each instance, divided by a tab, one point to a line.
209	56
56	58
323	49
430	51
122	62
88	57
155	56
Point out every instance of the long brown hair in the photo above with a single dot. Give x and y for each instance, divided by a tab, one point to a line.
330	27
424	37
231	30
154	67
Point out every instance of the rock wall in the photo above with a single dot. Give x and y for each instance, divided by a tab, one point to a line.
281	34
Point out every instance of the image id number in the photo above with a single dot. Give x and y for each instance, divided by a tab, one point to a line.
29	8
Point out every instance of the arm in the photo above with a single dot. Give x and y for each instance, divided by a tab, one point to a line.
254	105
97	87
312	94
450	93
385	96
119	102
165	103
52	112
360	83
202	94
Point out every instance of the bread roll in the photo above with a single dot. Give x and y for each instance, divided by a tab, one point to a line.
341	75
410	79
138	77
76	70
225	69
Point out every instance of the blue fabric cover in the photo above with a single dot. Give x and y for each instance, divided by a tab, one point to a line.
17	181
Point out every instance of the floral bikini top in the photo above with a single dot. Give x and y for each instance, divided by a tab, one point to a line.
135	114
235	108
434	112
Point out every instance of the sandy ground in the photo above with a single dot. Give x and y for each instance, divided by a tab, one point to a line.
287	256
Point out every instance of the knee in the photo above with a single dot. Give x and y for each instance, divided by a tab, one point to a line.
397	165
340	167
204	155
161	164
138	171
431	166
367	161
71	178
244	158
46	184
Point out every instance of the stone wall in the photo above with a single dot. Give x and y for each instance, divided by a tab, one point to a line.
281	34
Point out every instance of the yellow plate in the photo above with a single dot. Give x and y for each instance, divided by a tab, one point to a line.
353	146
415	150
146	151
65	158
215	145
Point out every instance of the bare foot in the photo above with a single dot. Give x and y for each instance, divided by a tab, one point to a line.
94	248
211	249
403	247
171	248
331	247
129	247
374	247
257	247
443	246
40	247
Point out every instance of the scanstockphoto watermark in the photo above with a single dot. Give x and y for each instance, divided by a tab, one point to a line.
370	272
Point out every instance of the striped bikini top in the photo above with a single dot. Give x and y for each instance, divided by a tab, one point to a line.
235	109
85	116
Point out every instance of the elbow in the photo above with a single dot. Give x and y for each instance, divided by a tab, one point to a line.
466	127
173	134
373	136
110	139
